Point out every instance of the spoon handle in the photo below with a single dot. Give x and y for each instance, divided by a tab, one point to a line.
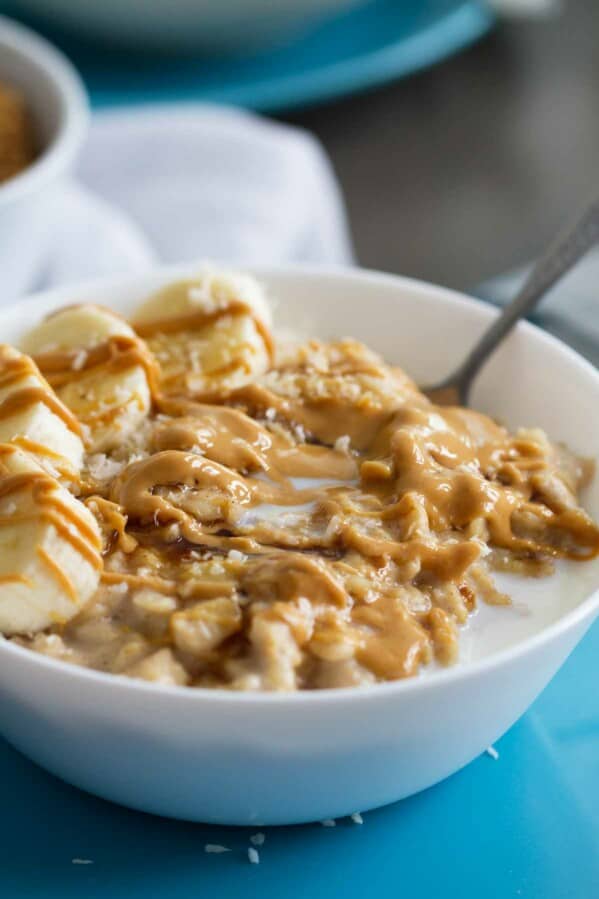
553	264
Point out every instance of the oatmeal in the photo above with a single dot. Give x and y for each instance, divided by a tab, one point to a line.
277	517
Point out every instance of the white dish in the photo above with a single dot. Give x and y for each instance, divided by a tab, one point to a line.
239	25
273	758
30	202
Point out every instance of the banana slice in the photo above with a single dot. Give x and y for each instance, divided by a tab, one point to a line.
50	545
99	368
34	419
210	334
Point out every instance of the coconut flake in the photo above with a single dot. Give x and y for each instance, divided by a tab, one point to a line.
79	360
342	444
235	556
120	587
102	468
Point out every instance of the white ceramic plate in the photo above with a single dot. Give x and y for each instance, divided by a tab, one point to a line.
273	758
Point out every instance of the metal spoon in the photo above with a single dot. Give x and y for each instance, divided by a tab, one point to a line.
558	259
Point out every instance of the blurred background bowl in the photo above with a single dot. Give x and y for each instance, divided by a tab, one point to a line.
57	103
225	25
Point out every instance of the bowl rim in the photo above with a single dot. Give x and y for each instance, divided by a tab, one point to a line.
49	64
578	616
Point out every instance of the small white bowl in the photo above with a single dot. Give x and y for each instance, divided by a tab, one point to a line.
30	201
231	758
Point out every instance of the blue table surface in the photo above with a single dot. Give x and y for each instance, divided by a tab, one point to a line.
374	43
524	825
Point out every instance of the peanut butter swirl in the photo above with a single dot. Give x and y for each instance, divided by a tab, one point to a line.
117	354
20	373
40	501
324	525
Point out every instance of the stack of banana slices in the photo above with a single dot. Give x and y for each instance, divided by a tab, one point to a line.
85	381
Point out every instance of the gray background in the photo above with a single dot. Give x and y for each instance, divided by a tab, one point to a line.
465	170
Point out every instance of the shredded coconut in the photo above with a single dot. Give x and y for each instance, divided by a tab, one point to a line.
215	849
253	856
121	587
235	556
79	360
484	549
357	818
270	414
257	839
342	444
490	750
102	468
332	527
201	294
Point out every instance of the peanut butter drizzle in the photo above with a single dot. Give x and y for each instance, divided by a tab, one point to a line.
135	488
201	318
59	464
231	437
16	579
20	367
117	354
48	507
29	396
394	645
57	572
39	449
113	524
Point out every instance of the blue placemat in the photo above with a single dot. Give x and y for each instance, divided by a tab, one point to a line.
526	825
382	40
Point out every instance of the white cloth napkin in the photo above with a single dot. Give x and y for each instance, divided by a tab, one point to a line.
173	184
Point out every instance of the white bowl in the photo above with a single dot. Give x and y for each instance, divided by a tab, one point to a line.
240	25
231	758
30	201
